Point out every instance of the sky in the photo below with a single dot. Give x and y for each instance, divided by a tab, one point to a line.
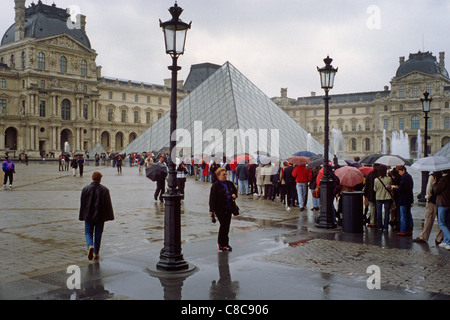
274	43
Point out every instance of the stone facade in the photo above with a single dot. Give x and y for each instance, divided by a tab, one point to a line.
362	117
52	91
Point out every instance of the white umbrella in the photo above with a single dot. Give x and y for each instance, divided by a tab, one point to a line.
432	164
390	161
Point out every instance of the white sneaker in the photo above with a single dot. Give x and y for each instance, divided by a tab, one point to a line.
10	186
447	247
442	245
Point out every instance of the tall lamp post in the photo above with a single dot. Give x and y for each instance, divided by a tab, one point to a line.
426	107
171	258
325	220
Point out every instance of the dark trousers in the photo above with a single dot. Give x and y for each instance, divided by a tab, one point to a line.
181	183
291	193
224	229
160	188
8	174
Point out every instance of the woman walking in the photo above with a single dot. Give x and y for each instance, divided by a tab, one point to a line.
221	203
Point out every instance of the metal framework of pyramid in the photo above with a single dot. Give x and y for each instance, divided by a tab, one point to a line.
444	152
228	113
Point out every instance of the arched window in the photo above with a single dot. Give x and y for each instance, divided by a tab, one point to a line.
65	109
63	64
415	123
353	144
367	144
41	61
83	68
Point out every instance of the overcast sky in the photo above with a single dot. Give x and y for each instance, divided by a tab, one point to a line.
275	43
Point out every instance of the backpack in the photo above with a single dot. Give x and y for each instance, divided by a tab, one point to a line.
9	166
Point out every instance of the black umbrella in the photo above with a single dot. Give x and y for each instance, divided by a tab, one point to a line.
316	163
156	171
370	159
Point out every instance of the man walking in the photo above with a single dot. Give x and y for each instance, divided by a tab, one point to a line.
9	169
95	209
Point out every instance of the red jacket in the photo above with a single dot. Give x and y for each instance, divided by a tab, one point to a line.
302	174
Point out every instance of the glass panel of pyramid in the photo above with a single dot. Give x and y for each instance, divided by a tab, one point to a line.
227	115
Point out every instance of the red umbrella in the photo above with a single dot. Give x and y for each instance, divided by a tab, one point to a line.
349	176
243	157
366	170
298	160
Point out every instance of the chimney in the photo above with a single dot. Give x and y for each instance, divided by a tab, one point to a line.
442	61
20	19
402	60
313	93
82	22
284	92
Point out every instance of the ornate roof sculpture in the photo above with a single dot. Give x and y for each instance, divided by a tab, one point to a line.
42	21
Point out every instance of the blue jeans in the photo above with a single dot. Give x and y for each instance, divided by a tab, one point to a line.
406	221
380	204
242	184
302	188
234	178
444	222
89	230
316	202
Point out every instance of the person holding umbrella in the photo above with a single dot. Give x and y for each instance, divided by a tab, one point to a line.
383	197
160	183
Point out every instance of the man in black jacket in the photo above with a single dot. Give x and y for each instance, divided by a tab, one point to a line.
95	209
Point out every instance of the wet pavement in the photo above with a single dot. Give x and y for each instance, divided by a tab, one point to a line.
278	254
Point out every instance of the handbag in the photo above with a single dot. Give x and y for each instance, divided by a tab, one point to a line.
236	209
316	193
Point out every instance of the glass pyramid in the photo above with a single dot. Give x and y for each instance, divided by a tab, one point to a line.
228	114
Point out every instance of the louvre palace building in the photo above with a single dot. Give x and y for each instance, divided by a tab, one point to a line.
52	91
361	118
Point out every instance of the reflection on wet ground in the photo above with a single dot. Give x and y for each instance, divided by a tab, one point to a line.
41	236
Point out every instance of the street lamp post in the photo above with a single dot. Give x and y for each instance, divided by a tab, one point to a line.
171	257
426	107
325	219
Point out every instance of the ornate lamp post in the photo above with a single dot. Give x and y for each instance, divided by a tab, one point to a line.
426	107
325	220
171	258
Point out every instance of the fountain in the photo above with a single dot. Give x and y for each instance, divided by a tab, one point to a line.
338	141
419	145
384	145
309	142
67	147
400	144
